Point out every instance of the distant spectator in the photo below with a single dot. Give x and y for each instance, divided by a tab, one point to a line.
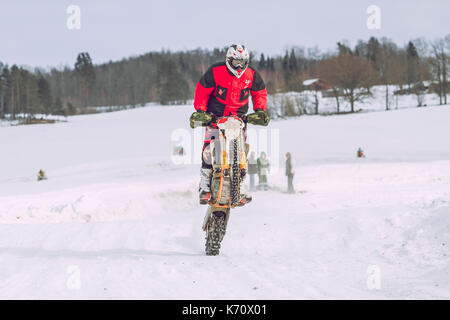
263	171
178	150
41	175
360	153
252	170
290	172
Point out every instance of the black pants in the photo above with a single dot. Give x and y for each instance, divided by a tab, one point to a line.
290	185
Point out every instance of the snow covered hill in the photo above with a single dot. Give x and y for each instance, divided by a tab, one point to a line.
117	218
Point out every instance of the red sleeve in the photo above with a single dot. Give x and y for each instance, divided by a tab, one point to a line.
259	99
201	97
204	89
259	92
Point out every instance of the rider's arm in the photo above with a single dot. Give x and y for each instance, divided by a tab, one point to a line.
259	92
204	89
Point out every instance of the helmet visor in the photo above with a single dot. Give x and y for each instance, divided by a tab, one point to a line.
239	63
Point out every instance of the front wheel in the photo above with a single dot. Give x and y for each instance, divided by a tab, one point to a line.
216	231
236	175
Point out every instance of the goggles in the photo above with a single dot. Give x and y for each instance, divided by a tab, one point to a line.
242	63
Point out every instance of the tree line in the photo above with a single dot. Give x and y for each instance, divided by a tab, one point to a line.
170	77
349	73
352	72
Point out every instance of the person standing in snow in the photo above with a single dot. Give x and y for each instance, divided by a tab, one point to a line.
225	90
360	153
41	175
252	170
263	171
290	172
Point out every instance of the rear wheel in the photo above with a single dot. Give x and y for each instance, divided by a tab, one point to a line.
216	232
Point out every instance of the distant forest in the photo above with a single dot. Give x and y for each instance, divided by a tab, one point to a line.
170	77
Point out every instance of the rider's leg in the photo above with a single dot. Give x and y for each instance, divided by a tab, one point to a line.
205	175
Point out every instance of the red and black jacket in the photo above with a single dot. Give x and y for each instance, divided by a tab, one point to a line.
223	94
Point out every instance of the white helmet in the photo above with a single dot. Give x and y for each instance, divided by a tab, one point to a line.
237	59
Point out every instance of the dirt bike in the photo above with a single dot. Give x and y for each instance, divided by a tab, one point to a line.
229	162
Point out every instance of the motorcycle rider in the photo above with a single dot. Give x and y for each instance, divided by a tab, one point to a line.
222	91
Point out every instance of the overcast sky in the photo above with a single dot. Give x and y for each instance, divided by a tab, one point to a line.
34	32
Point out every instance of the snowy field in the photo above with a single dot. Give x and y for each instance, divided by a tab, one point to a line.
118	219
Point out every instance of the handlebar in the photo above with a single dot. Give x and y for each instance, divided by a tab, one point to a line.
215	118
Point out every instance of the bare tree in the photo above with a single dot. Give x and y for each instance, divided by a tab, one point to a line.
327	71
439	67
445	60
387	70
2	91
352	74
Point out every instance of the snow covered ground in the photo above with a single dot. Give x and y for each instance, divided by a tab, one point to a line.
118	219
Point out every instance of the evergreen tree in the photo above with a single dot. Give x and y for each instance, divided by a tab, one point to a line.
293	67
84	69
3	88
44	94
344	49
14	91
373	51
58	107
173	88
271	64
262	64
412	58
285	62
